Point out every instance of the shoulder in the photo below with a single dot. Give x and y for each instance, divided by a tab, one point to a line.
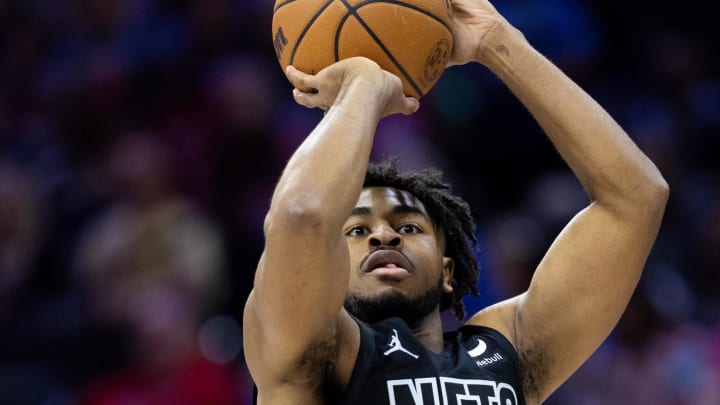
532	363
488	348
500	317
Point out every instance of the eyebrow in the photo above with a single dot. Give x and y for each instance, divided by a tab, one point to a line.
398	209
360	211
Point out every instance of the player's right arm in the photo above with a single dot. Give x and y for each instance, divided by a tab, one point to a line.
295	328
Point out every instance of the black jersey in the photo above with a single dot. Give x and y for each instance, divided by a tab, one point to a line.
477	366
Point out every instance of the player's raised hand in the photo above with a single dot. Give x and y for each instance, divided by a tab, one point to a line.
357	74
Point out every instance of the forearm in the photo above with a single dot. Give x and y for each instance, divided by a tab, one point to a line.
325	174
302	276
608	164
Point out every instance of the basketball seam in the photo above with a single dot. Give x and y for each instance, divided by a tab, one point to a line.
407	5
281	5
307	27
353	10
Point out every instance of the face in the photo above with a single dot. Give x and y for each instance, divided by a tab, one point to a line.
396	257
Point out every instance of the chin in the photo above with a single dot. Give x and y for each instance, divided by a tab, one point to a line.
393	302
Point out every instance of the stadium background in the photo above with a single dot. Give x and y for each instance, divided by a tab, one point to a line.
140	141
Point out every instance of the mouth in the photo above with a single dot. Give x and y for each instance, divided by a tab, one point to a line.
387	263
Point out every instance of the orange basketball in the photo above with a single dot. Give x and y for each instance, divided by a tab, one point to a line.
410	38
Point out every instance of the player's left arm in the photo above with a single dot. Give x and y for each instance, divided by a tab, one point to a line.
583	284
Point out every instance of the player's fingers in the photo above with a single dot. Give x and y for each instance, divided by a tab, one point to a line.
410	105
302	98
406	105
309	100
300	80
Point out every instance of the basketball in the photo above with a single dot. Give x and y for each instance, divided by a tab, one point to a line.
410	38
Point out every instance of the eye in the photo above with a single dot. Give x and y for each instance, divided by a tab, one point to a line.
409	228
357	231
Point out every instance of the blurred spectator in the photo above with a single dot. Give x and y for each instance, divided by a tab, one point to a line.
21	320
150	235
21	225
165	364
649	360
153	265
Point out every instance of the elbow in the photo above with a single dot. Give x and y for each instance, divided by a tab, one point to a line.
663	190
644	197
658	189
298	213
651	196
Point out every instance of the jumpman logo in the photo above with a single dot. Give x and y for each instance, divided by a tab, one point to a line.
395	346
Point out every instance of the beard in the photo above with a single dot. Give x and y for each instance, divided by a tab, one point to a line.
395	303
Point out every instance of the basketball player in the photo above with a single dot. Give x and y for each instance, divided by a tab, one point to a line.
348	292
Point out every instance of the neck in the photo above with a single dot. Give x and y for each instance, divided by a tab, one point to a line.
429	332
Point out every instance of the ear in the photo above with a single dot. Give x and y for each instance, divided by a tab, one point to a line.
448	270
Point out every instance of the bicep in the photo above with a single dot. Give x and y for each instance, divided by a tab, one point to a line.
579	291
300	283
299	288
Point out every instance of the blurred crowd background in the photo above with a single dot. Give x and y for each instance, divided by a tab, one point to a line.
140	141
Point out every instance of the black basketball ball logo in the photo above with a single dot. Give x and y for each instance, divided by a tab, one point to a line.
437	60
279	42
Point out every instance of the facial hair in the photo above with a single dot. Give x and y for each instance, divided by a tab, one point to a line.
395	303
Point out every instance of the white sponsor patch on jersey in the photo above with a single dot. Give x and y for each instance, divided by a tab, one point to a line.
479	349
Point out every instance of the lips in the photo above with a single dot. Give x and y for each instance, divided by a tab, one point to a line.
387	258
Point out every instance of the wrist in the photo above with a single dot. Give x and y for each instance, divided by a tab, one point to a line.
364	86
501	46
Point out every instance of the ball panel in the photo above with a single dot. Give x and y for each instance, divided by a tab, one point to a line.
356	40
292	21
315	49
437	9
420	43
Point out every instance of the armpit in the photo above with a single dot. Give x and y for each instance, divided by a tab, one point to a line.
533	372
317	364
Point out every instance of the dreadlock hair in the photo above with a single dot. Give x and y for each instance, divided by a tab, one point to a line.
450	214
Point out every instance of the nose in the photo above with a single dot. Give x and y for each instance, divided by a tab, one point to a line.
385	236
